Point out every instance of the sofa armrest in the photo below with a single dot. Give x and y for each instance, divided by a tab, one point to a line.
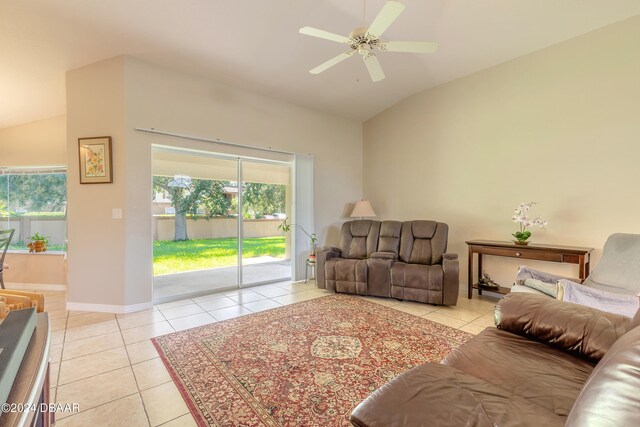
571	327
384	255
451	273
322	256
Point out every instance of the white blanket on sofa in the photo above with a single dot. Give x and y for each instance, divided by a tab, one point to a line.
625	305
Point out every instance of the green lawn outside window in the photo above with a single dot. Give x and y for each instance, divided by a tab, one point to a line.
201	254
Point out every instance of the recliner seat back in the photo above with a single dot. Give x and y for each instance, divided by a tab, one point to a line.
359	239
423	242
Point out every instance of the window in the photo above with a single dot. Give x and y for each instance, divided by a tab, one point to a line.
34	200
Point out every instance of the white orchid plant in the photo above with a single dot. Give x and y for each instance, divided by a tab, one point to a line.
521	216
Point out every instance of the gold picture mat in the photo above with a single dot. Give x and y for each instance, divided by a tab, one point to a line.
95	160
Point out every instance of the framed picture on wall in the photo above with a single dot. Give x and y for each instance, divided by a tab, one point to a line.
95	160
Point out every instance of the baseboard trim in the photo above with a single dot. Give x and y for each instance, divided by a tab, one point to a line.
108	308
36	286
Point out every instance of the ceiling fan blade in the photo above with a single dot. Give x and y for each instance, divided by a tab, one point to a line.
333	61
373	67
390	11
314	32
414	47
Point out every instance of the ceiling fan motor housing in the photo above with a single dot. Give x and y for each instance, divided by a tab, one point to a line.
362	41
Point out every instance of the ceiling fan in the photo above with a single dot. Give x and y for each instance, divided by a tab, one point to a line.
365	40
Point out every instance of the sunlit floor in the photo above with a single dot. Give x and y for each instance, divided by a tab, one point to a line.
107	364
254	270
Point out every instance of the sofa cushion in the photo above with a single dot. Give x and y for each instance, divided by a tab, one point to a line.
423	229
423	242
359	239
417	276
529	369
389	240
417	282
347	275
438	395
583	331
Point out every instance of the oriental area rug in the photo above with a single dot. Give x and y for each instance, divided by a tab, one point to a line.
305	364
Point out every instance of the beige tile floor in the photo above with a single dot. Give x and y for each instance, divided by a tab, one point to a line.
107	364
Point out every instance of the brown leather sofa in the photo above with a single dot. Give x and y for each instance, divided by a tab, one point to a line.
404	260
548	363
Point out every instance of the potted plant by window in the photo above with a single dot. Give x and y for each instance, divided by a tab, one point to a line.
38	243
286	227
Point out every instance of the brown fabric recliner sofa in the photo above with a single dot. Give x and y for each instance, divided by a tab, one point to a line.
404	260
548	363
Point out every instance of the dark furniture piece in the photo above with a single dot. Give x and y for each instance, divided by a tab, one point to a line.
548	363
5	241
31	386
404	260
552	253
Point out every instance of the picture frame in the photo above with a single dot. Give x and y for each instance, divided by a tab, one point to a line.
95	159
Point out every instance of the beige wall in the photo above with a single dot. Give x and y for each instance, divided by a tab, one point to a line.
35	269
96	251
41	143
113	97
560	127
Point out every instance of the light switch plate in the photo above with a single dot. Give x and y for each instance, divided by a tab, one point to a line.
116	213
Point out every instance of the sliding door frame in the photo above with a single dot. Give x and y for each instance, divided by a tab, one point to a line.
239	223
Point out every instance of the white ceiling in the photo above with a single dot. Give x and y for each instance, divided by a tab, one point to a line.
255	45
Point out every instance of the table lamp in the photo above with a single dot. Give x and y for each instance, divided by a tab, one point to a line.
363	209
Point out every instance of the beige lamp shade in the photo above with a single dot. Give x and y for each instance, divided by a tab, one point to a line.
363	209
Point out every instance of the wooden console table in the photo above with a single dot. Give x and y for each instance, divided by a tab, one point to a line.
552	253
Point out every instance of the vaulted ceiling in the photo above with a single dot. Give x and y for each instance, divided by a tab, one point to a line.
255	45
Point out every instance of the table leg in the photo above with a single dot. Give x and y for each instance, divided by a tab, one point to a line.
584	268
479	271
470	274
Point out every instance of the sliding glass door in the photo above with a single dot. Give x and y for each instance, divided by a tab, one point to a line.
215	222
266	203
195	236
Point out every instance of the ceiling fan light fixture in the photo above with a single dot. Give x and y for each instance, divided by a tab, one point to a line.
364	40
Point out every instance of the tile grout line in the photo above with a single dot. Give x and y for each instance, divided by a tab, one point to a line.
135	379
102	404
